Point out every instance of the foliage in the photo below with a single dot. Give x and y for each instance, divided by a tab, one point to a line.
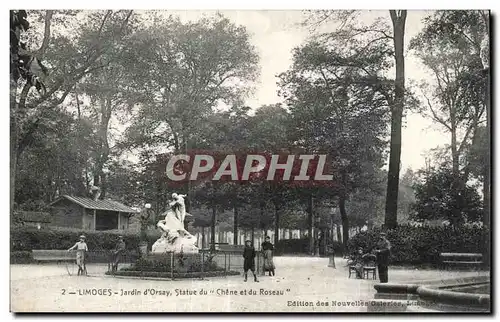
478	153
422	245
338	100
64	145
162	263
191	67
301	246
21	257
22	63
436	199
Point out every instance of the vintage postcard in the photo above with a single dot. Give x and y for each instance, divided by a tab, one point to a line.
320	161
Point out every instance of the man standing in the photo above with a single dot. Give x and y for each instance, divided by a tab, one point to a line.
383	252
117	253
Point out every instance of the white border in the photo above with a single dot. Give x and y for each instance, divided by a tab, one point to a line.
186	5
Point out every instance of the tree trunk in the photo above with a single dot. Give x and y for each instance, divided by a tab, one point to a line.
203	242
316	241
214	217
345	221
235	226
13	143
487	173
456	211
487	168
310	210
391	204
276	223
339	233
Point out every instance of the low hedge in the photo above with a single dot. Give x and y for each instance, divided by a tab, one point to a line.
422	245
28	238
301	246
21	257
175	275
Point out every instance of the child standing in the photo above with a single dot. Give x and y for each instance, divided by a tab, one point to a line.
249	259
81	248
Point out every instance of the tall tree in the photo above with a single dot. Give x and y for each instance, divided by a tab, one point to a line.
398	18
69	58
21	71
457	101
193	68
348	27
337	96
111	92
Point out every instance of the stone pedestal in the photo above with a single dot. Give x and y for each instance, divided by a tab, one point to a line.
182	244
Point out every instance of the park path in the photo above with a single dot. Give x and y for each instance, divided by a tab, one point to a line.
300	281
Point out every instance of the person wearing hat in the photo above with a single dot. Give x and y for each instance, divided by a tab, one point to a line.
249	259
383	252
117	253
81	248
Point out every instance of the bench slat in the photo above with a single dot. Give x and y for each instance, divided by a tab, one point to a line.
462	262
461	255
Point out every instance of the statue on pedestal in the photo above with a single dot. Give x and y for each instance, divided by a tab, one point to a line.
175	238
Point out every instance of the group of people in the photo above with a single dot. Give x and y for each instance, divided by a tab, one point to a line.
81	249
249	255
379	254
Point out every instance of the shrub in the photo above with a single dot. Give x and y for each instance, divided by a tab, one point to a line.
292	246
162	263
29	238
422	245
301	246
21	257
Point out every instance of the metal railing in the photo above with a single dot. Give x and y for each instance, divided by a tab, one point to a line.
172	265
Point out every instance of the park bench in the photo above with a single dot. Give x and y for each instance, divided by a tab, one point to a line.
461	259
369	267
52	255
62	255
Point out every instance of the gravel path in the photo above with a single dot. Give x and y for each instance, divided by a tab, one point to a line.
302	284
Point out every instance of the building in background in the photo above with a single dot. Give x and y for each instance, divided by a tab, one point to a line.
90	214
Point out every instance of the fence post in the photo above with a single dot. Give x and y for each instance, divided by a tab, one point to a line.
229	263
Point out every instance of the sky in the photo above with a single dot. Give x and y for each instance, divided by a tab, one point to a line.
276	33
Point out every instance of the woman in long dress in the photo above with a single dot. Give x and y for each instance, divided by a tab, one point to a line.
267	249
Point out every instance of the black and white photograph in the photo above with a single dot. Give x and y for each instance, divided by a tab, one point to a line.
250	161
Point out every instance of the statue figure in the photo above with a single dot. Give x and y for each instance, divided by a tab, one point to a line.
179	206
174	236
